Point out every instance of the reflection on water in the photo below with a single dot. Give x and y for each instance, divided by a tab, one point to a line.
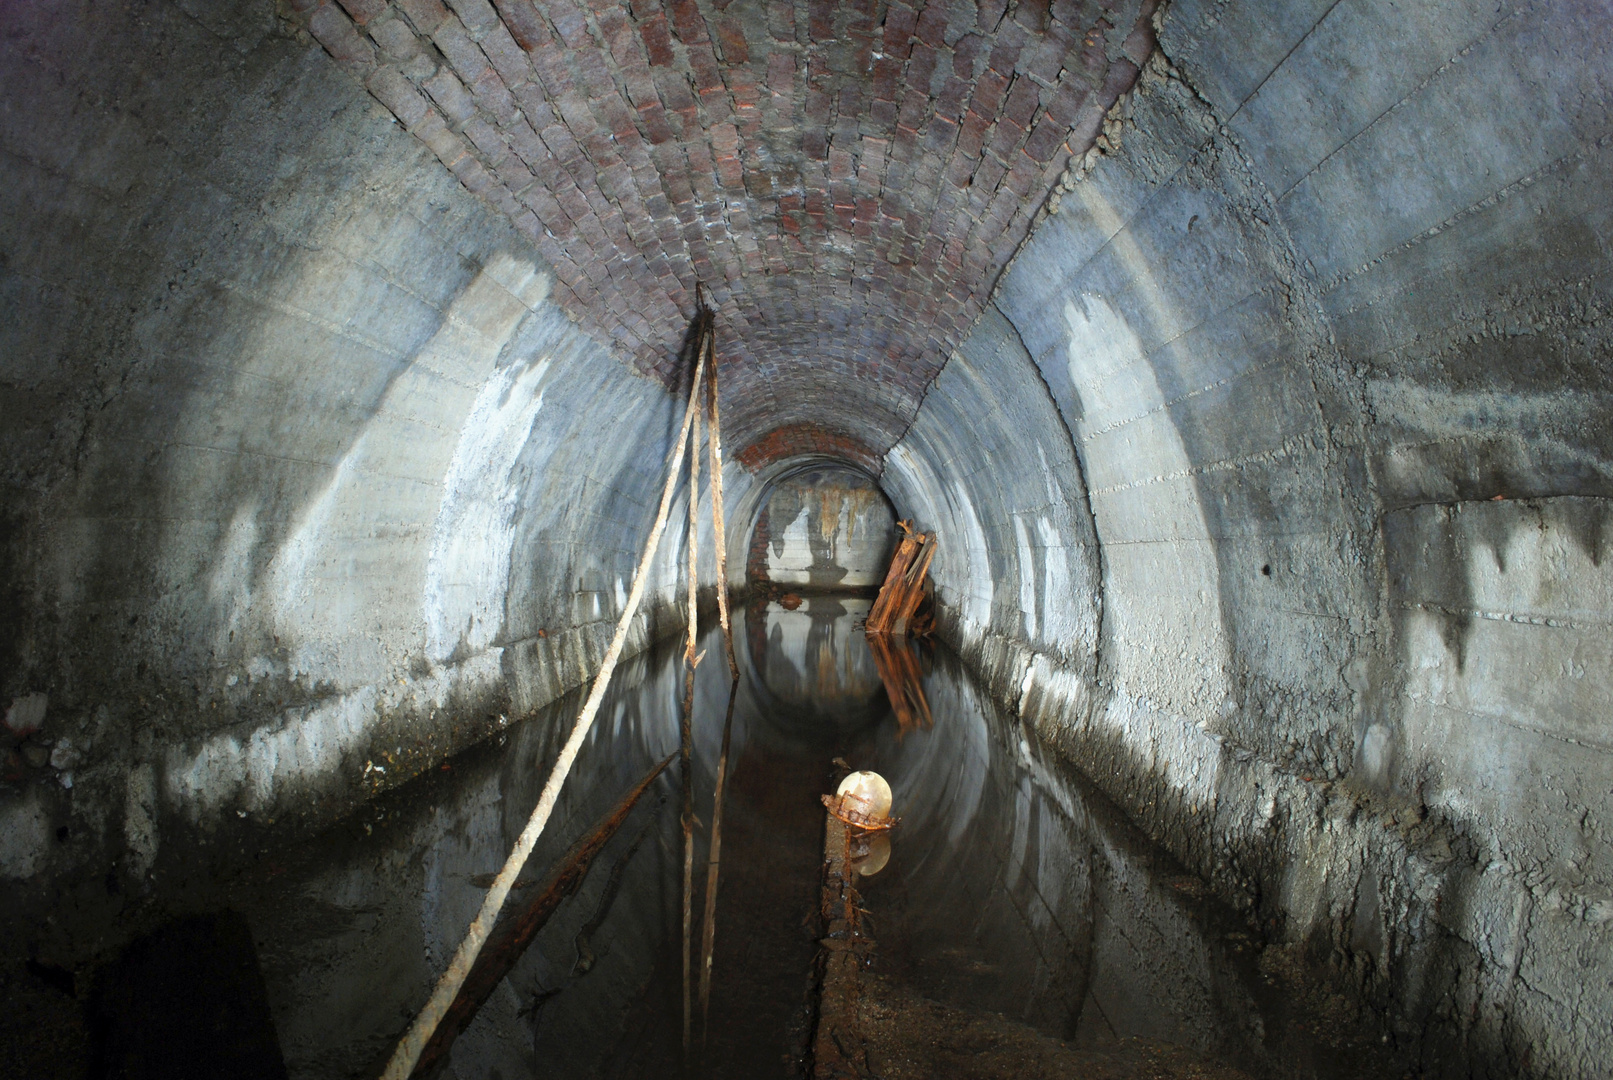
1006	889
811	666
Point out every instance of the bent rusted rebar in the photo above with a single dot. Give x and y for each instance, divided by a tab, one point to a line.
511	937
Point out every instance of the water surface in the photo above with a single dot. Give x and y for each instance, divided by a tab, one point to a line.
1011	891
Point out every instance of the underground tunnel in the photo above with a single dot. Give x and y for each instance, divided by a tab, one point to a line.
1245	362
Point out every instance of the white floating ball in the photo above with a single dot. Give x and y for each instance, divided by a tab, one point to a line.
867	794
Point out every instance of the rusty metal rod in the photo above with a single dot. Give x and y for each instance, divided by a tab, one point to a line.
686	720
714	424
708	932
510	940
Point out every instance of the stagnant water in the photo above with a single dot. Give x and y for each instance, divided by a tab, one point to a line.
1012	893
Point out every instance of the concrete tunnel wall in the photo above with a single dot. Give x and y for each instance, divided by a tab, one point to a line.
302	465
1321	597
822	528
300	460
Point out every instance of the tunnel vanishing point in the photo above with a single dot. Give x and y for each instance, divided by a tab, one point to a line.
1251	359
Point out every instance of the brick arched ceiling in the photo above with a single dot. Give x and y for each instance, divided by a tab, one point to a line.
847	180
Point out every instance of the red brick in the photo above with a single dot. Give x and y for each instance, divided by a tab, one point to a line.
1005	139
513	174
362	11
932	24
687	20
840	166
900	21
972	134
463	54
1044	61
507	57
706	71
399	95
620	40
473	175
477	15
989	13
1045	140
1066	11
569	22
634	180
524	23
715	102
450	96
988	174
731	36
1010	40
820	20
534	105
485	137
781	73
1066	104
915	110
492	96
989	91
426	15
954	95
335	31
965	52
1022	176
1032	15
781	19
657	40
1022	102
549	62
921	68
1140	42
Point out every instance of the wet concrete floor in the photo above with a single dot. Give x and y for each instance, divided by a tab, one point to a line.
1022	927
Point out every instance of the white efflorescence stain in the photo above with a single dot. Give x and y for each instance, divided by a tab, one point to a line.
229	584
468	570
1150	520
1027	577
370	563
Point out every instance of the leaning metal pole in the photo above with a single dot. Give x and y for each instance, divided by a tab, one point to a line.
414	1040
708	931
690	660
719	531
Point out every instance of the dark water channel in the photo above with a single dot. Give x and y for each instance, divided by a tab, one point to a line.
1010	891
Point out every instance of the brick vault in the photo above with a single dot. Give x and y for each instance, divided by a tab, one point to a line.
848	180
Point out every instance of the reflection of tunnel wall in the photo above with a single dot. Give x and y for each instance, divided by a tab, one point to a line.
823	528
812	666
